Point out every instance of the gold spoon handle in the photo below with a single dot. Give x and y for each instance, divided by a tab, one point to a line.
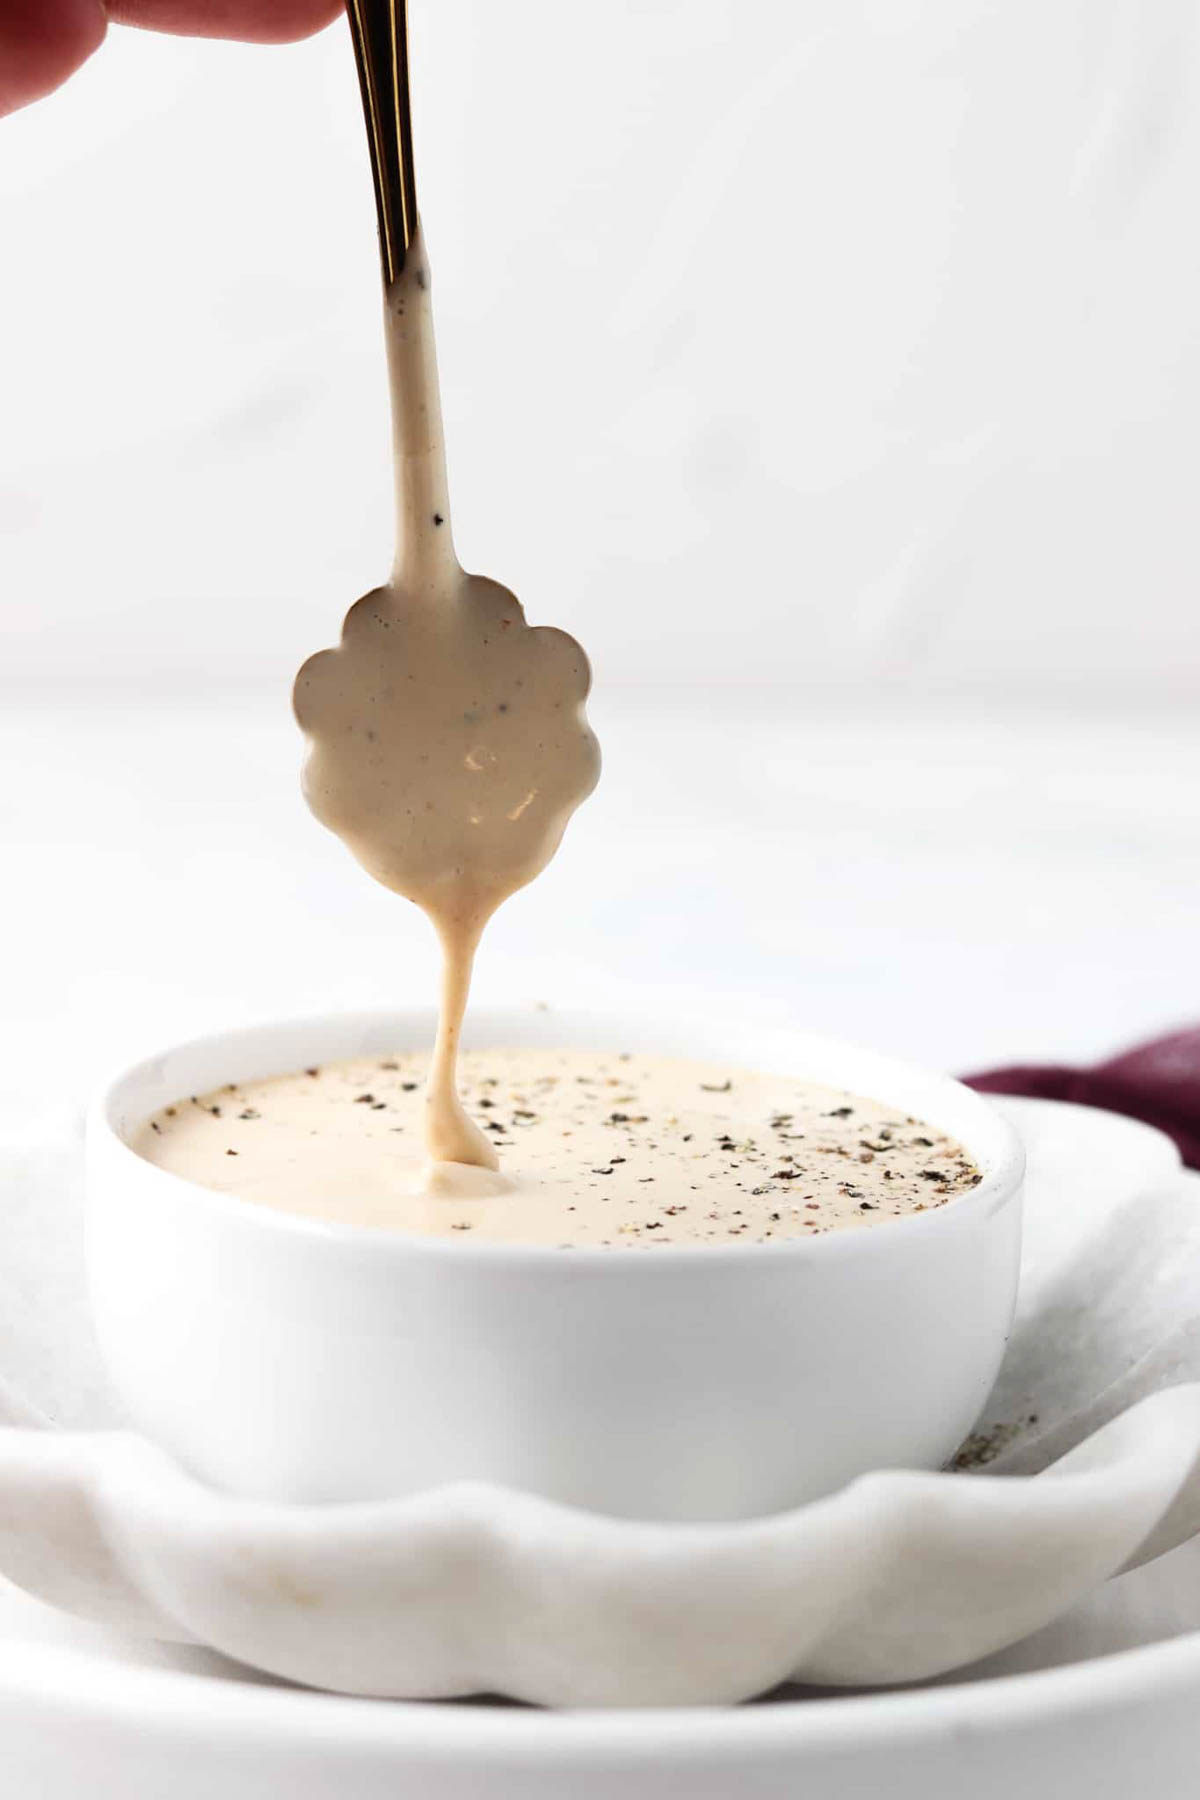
380	32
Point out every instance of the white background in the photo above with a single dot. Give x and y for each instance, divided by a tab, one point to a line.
843	339
832	368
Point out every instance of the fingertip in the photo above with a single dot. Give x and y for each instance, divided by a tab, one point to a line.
286	21
253	21
42	42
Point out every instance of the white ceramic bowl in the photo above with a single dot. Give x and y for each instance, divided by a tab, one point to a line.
286	1358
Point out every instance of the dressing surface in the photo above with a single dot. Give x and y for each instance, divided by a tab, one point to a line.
606	1149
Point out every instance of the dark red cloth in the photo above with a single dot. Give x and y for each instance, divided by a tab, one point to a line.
1158	1082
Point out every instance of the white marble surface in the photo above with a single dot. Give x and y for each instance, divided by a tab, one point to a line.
958	885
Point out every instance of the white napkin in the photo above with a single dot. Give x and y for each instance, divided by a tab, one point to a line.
477	1589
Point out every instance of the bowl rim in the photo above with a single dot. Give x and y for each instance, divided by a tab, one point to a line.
1000	1153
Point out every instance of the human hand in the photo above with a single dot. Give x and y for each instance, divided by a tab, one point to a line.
42	42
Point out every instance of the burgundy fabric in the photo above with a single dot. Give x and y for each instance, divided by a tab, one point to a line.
1158	1082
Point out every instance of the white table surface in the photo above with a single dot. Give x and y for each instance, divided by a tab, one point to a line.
950	881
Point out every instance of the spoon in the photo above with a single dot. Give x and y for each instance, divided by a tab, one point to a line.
447	740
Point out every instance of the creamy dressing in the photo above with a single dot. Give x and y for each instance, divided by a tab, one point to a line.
448	744
608	1150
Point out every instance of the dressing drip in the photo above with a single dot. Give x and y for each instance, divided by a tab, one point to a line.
447	740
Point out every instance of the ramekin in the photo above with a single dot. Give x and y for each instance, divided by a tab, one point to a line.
291	1359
